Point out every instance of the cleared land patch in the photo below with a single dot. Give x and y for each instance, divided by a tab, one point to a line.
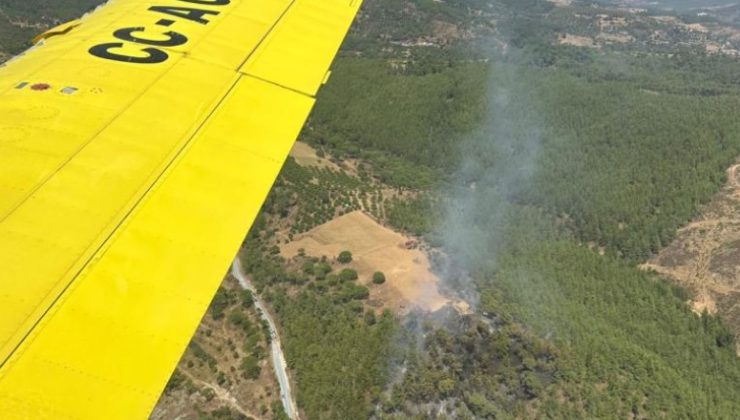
306	155
705	257
410	281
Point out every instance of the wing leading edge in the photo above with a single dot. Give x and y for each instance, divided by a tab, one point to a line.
131	184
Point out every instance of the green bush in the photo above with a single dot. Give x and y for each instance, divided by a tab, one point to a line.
348	274
250	367
345	257
378	277
321	270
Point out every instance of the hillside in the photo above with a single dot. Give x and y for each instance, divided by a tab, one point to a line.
541	193
704	257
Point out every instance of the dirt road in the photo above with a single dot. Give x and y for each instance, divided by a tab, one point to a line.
278	358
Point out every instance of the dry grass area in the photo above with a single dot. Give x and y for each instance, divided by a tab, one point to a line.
575	40
447	33
614	38
732	34
306	155
705	257
410	281
675	21
714	38
608	22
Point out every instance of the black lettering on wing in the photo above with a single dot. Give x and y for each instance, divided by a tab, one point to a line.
172	39
150	56
189	13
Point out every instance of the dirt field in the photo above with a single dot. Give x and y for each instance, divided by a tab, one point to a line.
617	38
575	40
705	258
410	282
673	20
305	155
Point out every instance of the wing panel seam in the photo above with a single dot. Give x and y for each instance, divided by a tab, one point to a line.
267	33
96	253
93	252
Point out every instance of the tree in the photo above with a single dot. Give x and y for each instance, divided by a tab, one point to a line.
348	274
378	277
359	292
237	318
345	257
246	298
220	302
308	267
370	317
250	367
321	270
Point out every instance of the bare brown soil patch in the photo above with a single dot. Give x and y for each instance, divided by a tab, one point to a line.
615	38
675	21
446	33
705	257
732	34
575	40
410	281
608	22
306	155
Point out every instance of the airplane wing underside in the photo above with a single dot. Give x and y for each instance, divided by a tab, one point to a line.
137	146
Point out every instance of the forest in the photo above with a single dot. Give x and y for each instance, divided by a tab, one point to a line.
557	169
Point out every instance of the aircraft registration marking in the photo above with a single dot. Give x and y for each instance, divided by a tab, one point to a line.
150	54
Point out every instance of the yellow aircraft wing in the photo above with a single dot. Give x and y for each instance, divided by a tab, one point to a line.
137	145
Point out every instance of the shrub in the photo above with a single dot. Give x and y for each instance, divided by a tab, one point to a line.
348	274
345	257
378	277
